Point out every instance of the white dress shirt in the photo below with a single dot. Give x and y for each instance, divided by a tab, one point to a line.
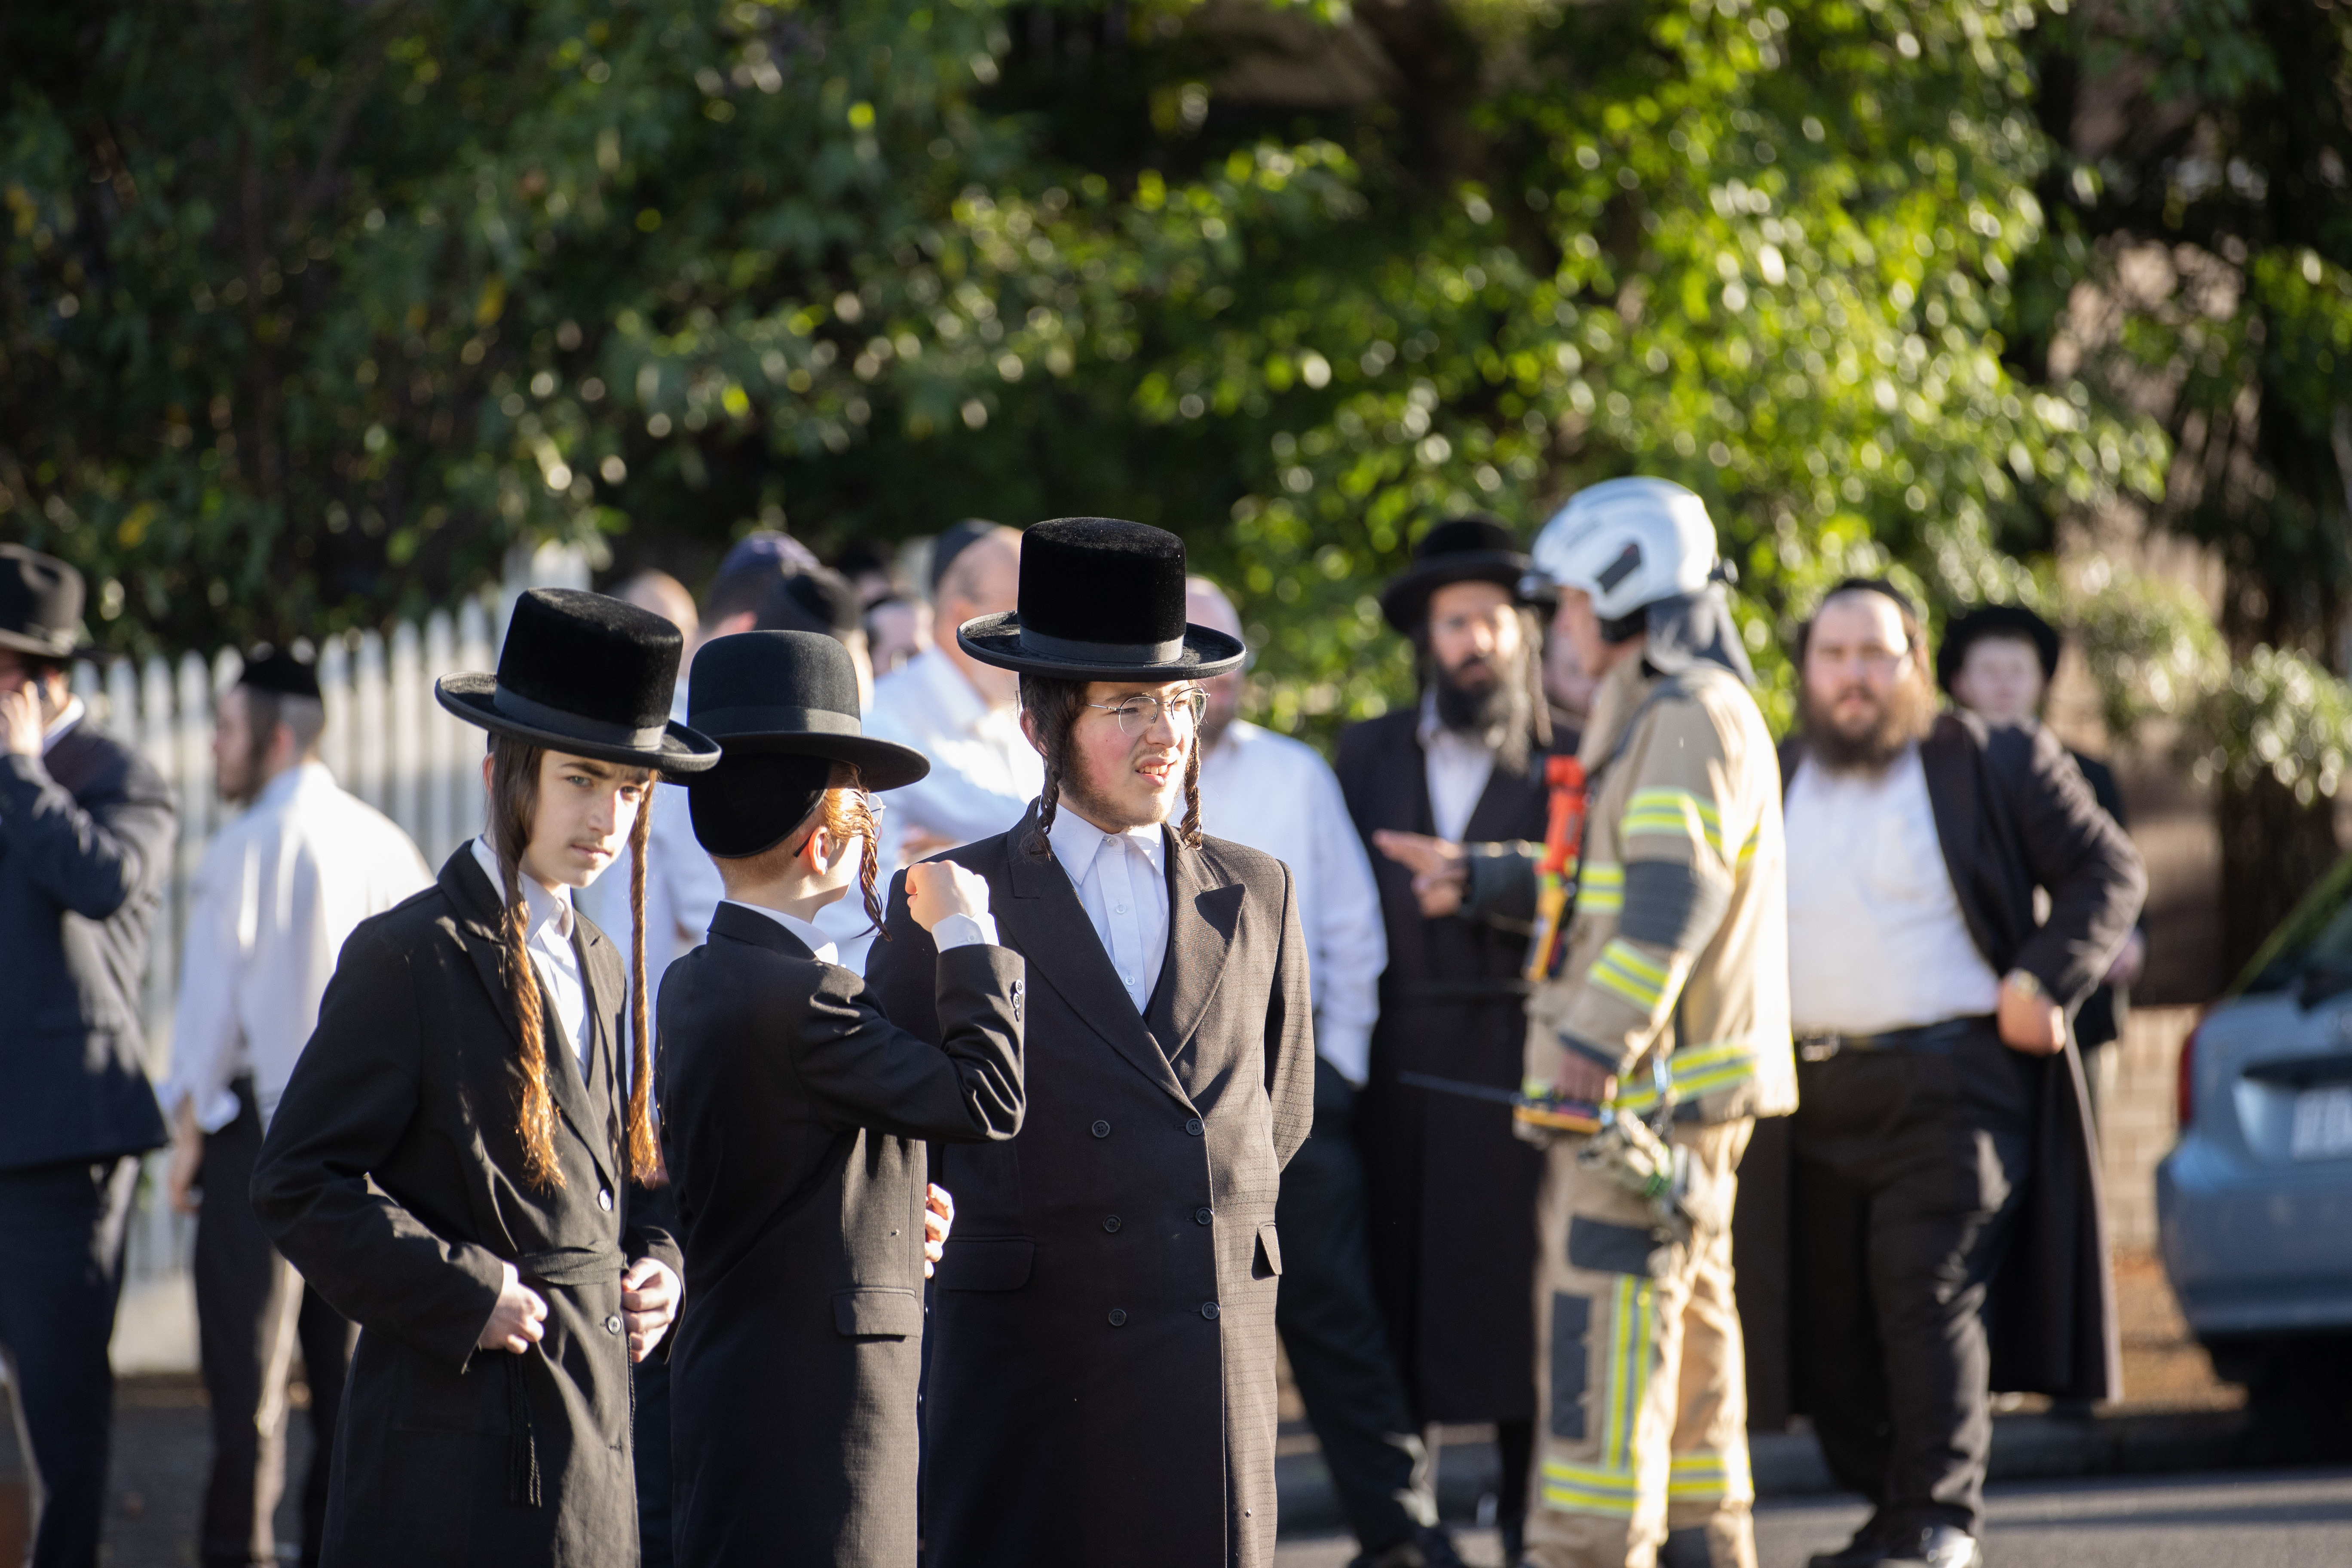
281	887
1458	768
549	943
954	932
72	714
1876	940
1278	795
983	772
1122	882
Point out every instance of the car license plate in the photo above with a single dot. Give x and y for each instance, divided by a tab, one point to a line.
2323	1123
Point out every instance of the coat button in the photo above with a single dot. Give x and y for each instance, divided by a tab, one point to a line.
1111	1223
613	1323
1118	1316
1203	1215
1209	1311
1102	1128
604	1202
1194	1127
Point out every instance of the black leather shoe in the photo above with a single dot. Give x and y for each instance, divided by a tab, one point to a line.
1866	1550
1428	1548
1934	1546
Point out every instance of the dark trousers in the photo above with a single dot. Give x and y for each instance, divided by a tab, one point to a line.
651	1449
1331	1331
1908	1168
252	1311
62	1229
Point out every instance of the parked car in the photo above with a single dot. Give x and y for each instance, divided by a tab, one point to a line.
2254	1202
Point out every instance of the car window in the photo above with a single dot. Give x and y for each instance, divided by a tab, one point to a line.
2316	941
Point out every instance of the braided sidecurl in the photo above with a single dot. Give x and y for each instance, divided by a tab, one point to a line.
850	815
514	802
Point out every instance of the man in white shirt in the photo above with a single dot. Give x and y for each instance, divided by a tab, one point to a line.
1278	795
959	713
281	887
1944	1210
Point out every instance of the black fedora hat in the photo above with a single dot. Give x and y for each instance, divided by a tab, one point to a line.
1474	549
586	674
2014	621
1101	600
40	603
784	706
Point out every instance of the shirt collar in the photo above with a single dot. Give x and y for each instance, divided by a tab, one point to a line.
814	939
68	717
547	910
302	775
1076	842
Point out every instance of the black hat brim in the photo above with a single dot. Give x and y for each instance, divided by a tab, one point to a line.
473	698
880	765
996	640
45	648
1405	601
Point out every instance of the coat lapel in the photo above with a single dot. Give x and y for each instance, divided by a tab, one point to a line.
1050	930
1949	764
479	907
1204	914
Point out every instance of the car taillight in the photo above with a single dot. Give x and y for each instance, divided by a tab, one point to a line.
2184	1096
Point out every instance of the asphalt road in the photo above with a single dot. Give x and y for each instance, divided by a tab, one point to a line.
2266	1519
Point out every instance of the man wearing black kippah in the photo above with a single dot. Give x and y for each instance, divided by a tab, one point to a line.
1102	1380
281	886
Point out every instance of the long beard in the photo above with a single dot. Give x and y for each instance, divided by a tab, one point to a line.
1500	714
1903	720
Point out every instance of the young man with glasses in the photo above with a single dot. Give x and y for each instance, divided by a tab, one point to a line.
1944	1178
1102	1379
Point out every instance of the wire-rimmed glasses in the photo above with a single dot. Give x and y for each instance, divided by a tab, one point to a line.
1138	712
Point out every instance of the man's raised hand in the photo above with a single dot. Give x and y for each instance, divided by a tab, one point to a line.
1440	871
937	888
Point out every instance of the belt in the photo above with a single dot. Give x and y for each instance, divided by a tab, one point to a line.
572	1266
1922	1039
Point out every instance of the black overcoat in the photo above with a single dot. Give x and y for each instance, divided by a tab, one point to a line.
2013	814
86	839
1449	1192
791	1118
391	1177
1102	1383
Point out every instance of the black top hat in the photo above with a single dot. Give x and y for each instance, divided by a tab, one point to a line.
40	603
1995	621
1474	549
586	674
784	704
1101	600
275	670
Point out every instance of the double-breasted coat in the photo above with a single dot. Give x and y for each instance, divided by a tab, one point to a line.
2013	814
391	1177
1449	1191
1102	1382
792	1113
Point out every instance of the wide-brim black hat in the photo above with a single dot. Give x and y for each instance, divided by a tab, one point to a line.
40	605
783	704
1101	600
2014	621
587	676
1474	549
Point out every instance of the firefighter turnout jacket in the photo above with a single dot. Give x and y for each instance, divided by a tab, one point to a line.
1677	945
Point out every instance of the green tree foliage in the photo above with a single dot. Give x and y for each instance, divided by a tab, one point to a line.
307	313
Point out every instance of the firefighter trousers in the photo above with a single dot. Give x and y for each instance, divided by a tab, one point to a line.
1642	1383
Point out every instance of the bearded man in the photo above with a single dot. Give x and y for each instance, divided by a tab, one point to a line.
1944	1178
1450	1193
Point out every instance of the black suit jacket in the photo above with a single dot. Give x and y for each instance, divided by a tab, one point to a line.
1450	1191
86	837
791	1115
393	1178
1102	1381
2013	814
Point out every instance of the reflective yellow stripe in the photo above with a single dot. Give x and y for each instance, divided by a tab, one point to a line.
1600	889
1694	1071
1754	837
1622	968
1587	1489
1673	814
1704	1476
1629	1360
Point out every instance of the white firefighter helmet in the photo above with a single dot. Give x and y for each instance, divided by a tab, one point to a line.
1629	543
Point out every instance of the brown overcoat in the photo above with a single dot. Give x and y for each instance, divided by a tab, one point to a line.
391	1177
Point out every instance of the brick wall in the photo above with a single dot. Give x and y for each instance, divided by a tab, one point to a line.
2135	1118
